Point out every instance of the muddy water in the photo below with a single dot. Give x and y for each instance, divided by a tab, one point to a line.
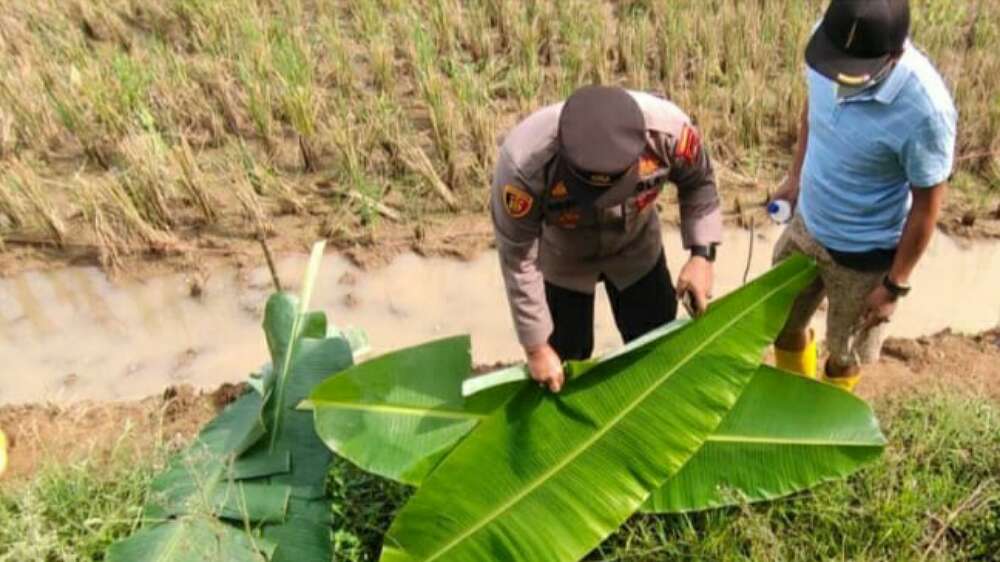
71	334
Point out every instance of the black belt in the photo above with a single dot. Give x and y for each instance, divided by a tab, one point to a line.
870	261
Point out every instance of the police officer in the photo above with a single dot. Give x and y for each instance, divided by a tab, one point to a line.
573	204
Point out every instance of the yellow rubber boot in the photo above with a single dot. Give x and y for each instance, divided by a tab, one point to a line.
846	383
798	362
3	452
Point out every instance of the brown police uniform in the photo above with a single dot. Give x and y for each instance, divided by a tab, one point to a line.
552	233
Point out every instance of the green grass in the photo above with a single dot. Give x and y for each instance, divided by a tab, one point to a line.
72	513
934	496
405	101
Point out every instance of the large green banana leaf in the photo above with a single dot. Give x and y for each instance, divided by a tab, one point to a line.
785	434
547	477
196	479
397	415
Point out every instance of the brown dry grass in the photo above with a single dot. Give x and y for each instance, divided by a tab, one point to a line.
134	127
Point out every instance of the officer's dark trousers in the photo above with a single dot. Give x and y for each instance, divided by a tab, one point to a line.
647	304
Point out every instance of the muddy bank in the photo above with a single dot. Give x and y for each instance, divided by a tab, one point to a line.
42	434
462	235
72	334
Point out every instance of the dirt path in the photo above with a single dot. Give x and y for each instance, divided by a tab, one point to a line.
947	361
42	434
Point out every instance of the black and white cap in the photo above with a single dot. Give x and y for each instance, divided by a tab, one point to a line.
858	39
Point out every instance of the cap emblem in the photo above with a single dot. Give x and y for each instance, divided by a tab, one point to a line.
600	179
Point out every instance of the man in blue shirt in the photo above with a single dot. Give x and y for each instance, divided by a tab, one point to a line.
875	152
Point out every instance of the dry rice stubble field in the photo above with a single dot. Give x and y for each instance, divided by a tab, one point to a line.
134	131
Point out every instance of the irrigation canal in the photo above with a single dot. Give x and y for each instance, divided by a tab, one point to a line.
72	334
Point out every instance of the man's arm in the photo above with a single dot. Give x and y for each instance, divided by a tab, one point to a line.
700	210
920	224
928	158
789	191
691	171
517	224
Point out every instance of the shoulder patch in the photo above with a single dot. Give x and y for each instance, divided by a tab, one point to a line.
688	147
517	201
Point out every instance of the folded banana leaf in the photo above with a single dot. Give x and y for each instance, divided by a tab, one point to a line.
255	476
192	539
785	434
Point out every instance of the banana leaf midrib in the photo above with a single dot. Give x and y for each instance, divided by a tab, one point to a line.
403	410
281	382
736	438
600	433
172	545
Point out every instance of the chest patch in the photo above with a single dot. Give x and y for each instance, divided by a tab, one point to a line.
649	164
560	192
517	202
645	199
569	219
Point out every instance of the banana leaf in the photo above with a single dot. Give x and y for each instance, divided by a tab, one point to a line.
196	480
785	434
192	539
397	415
583	461
285	326
305	533
234	483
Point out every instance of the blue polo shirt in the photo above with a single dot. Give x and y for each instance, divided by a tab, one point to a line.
867	150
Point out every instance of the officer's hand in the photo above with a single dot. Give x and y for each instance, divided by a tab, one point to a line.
696	279
545	366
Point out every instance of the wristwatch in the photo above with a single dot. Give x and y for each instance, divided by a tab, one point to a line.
707	252
897	291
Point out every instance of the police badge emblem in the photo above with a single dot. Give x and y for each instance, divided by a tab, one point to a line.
517	201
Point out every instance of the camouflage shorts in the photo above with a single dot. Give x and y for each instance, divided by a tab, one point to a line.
846	290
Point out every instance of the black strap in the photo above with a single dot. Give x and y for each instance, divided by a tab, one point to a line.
870	261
